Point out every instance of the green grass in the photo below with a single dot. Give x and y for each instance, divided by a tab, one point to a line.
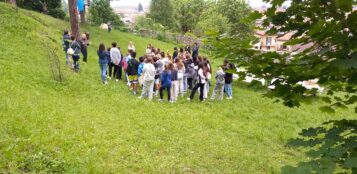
82	126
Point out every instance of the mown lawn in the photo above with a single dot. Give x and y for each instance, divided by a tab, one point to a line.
82	126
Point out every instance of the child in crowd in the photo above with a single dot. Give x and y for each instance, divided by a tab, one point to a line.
103	62
132	71
140	70
148	74
165	79
218	89
201	80
115	60
228	80
180	76
174	83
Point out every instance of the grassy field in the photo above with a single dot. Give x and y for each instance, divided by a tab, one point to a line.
82	126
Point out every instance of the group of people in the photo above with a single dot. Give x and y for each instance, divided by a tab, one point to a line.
73	47
157	71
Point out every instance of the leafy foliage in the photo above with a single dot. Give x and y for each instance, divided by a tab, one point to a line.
162	11
101	12
333	148
187	14
143	22
330	27
50	7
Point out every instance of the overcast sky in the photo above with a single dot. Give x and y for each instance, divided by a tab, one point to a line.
253	3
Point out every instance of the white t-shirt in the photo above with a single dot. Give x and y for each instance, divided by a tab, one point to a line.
149	72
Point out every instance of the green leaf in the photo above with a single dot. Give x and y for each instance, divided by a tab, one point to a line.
327	109
351	162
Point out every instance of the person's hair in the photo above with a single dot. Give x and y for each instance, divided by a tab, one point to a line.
202	66
188	56
162	54
175	48
155	59
167	67
108	49
133	55
149	59
141	59
171	66
169	57
101	47
158	51
181	50
131	43
153	50
130	52
179	64
87	35
226	61
73	37
114	44
200	58
65	32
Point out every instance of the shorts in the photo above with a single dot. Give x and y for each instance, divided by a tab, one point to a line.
133	78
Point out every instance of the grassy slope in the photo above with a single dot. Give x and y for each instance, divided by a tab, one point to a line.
81	126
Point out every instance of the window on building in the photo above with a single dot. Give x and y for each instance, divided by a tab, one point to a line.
268	41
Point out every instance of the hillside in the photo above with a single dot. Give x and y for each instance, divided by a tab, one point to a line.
82	126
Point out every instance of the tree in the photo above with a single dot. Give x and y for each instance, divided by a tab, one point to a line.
50	7
101	12
140	7
235	11
143	22
212	20
73	14
187	14
161	11
328	29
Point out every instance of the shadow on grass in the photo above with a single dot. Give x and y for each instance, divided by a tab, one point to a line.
332	148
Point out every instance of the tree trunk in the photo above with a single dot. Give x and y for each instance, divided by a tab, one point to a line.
73	14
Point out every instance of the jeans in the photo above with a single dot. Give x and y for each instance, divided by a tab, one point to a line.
174	90
184	83
190	83
206	90
218	90
180	86
85	54
75	62
228	89
148	88
168	92
198	85
103	71
67	59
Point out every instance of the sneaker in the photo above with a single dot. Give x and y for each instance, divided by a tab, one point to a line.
189	99
117	80
140	98
229	98
134	93
110	78
105	83
160	100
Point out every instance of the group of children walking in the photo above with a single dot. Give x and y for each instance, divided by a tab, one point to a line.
157	72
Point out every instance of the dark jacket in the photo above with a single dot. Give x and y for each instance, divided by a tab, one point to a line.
174	56
103	57
174	75
133	66
66	42
166	79
195	53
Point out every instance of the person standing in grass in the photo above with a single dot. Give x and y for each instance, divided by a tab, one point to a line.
132	71
140	70
66	43
180	76
208	79
115	60
165	79
77	49
84	44
228	79
148	75
175	55
103	62
174	83
202	75
219	88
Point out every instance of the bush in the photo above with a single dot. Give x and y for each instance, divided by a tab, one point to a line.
57	13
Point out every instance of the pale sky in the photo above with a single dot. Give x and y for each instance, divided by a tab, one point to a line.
253	3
